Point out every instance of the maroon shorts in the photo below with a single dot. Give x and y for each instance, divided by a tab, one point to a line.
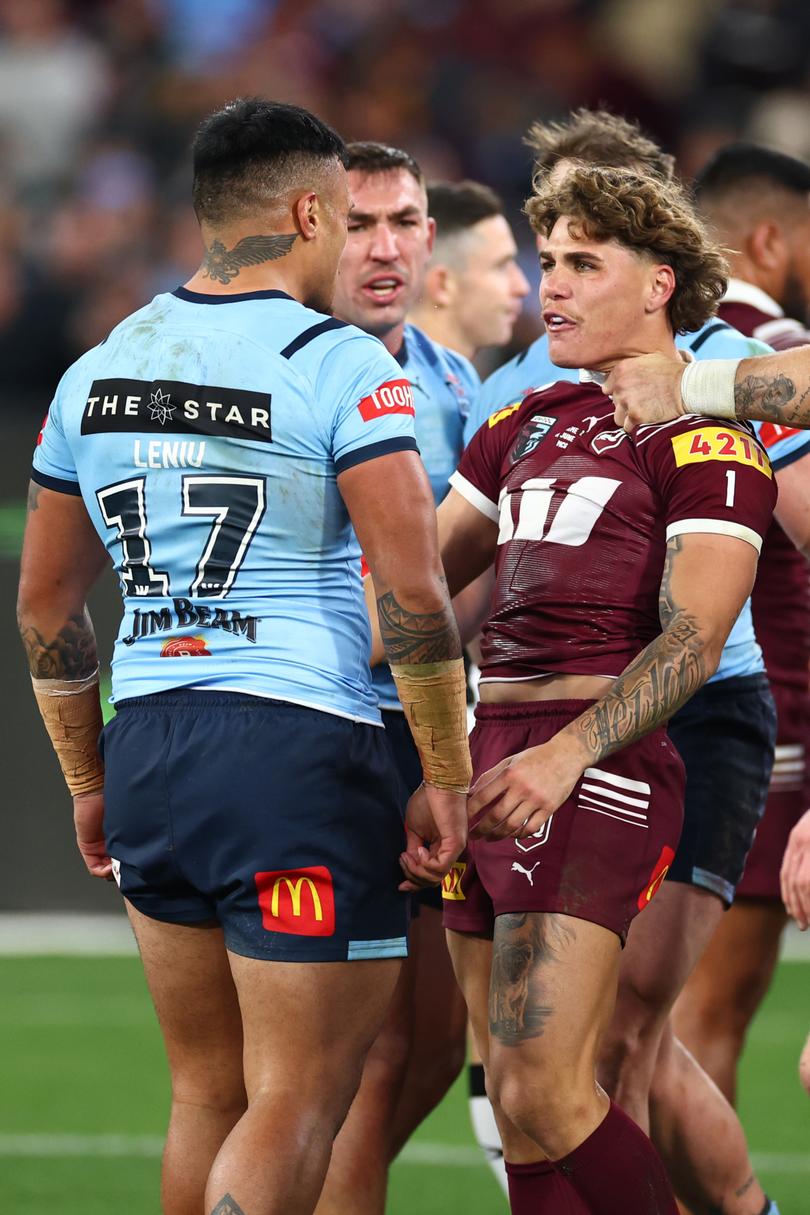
601	856
788	795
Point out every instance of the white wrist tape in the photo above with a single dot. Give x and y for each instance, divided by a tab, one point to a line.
65	687
707	387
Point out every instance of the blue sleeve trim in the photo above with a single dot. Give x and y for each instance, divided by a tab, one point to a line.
790	456
373	450
57	483
309	335
707	333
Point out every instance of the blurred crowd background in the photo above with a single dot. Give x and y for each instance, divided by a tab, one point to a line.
99	100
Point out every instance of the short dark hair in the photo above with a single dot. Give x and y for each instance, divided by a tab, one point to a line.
251	150
366	156
740	165
648	215
459	205
598	138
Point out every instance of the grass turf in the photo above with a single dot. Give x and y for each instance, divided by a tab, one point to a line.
81	1056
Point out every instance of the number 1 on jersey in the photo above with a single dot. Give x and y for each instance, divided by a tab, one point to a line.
731	481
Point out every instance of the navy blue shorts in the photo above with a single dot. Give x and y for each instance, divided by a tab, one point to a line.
409	769
279	822
725	735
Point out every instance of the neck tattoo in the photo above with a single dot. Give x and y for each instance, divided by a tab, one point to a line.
224	264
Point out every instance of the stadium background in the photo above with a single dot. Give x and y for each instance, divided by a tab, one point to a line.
97	104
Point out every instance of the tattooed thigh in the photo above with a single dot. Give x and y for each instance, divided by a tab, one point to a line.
525	946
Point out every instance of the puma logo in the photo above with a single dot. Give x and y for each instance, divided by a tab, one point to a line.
518	868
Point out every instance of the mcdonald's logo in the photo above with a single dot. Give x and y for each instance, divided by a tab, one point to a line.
451	882
298	901
656	877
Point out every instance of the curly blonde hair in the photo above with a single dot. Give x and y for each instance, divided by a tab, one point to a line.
647	215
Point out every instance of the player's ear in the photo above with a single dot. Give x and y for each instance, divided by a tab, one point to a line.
307	214
765	245
431	223
439	286
661	287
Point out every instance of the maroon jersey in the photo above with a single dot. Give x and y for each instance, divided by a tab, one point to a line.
585	512
781	597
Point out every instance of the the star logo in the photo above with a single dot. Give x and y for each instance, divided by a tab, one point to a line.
160	409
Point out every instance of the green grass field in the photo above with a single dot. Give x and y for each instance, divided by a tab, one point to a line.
84	1099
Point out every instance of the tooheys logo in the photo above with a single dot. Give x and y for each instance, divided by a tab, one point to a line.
297	901
770	433
173	407
41	434
395	396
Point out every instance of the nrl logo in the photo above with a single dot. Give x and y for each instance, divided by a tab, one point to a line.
160	407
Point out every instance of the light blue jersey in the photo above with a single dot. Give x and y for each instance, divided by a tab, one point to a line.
206	434
715	340
445	385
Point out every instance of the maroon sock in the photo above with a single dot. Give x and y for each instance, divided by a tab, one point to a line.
539	1189
617	1171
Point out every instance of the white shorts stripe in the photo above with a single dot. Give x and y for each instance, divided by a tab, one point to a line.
629	821
619	810
621	782
619	797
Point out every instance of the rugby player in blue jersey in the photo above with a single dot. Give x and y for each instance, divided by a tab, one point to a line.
229	446
421	1048
727	782
474	287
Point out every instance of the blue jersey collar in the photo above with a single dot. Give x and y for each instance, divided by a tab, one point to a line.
200	297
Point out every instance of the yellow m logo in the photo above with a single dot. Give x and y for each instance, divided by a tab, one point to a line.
294	886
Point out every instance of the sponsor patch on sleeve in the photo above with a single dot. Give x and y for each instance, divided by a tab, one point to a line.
394	396
770	433
41	434
715	443
500	414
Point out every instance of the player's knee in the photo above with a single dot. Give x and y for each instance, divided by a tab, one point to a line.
628	1051
543	1103
448	1061
804	1066
220	1094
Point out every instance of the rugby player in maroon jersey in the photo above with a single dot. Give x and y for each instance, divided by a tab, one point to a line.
643	1065
620	567
757	202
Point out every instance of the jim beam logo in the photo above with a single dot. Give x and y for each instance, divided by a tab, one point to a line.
173	407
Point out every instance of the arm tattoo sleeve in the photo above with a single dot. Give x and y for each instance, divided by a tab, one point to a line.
413	637
656	683
71	654
224	264
525	946
772	399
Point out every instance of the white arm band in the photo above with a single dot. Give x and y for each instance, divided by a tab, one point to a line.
707	387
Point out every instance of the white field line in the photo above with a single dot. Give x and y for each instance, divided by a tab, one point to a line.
443	1155
39	933
89	934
